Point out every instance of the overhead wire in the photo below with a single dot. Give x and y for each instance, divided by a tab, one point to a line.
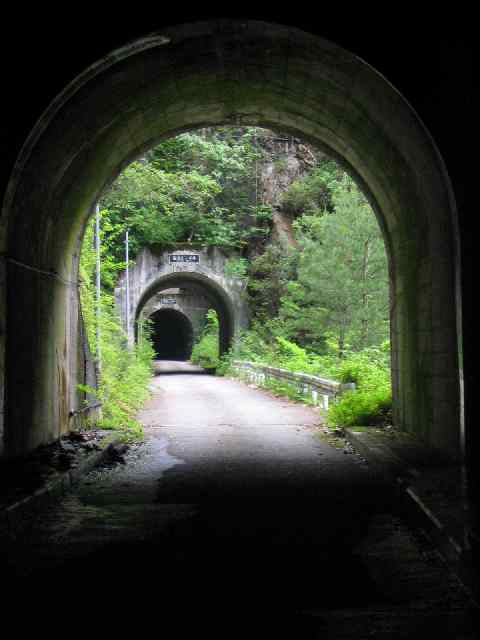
49	273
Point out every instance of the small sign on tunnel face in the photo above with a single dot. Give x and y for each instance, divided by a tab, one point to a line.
184	257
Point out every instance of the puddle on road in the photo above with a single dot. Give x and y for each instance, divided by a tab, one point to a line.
162	460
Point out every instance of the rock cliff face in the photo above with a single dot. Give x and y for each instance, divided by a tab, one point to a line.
286	159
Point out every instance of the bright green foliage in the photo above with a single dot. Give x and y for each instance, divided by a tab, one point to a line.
256	345
269	277
195	188
312	195
364	367
205	352
125	373
165	208
320	307
369	404
284	389
330	294
236	268
323	308
362	408
340	298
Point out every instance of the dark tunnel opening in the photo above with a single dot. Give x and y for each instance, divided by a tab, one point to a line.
172	335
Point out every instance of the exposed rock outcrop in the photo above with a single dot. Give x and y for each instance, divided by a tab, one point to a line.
286	159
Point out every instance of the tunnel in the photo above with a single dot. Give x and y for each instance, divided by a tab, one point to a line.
70	137
172	335
218	73
217	297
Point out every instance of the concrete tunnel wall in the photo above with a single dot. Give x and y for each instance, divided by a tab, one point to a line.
229	321
212	73
190	301
153	271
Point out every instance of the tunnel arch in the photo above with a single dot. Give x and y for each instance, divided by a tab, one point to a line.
219	298
172	334
228	72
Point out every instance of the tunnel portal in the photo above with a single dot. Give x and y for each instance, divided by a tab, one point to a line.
215	73
172	335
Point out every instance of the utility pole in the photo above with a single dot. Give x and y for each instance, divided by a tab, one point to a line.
256	168
97	286
127	292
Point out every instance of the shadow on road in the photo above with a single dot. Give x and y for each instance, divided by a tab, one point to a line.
250	562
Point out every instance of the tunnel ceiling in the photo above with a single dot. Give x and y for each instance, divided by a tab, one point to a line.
215	73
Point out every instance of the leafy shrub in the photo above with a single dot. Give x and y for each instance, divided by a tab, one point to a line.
371	402
124	378
236	267
362	408
369	369
284	389
125	372
205	352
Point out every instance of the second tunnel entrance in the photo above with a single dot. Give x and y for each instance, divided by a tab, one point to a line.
172	335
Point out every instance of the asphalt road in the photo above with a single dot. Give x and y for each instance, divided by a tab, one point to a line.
233	441
235	519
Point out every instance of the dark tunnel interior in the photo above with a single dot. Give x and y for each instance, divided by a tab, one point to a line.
172	335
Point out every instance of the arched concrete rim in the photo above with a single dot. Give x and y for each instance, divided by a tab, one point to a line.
238	72
221	301
182	318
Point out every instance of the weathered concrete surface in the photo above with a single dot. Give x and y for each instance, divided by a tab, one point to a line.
316	389
190	301
432	488
223	72
45	477
234	520
207	281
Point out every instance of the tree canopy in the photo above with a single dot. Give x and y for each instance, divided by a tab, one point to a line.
342	276
195	188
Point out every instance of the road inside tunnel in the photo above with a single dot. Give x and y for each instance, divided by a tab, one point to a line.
235	517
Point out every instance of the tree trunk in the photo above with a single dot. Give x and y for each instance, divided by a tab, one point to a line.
341	341
364	322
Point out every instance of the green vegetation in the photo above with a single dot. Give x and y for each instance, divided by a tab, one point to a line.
205	351
312	195
125	373
329	294
319	305
341	294
369	369
236	268
371	403
196	188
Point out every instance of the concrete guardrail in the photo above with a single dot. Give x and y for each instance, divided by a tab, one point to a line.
319	390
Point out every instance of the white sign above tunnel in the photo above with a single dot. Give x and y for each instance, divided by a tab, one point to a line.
183	257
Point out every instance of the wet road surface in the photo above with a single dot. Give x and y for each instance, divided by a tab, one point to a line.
235	519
